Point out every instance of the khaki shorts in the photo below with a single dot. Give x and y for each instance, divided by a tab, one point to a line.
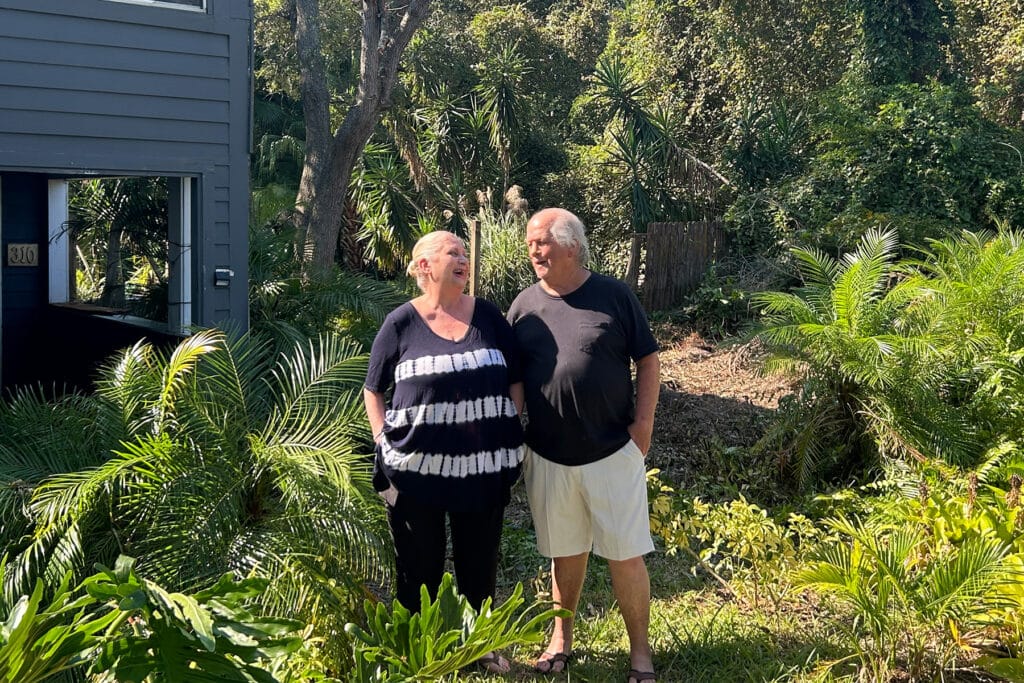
600	507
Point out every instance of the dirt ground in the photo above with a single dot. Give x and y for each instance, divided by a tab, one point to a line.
710	394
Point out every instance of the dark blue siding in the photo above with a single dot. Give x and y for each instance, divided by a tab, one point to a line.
94	87
23	211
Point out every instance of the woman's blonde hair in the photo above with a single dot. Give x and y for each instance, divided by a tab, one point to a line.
425	248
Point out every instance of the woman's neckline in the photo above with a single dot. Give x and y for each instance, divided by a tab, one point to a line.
465	335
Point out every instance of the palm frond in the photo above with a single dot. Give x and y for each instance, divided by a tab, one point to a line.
816	267
180	366
965	579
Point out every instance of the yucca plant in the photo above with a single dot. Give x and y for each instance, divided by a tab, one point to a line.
502	97
222	457
656	176
387	208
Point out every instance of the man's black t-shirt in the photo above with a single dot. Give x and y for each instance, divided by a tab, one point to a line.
576	353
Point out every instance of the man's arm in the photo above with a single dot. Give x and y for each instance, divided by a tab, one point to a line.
648	385
517	394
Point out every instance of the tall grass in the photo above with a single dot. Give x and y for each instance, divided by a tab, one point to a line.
504	265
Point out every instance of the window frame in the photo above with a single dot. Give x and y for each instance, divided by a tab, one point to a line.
181	193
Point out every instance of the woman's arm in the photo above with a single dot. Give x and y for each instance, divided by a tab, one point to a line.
374	412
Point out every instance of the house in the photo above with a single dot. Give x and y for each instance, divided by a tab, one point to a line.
120	89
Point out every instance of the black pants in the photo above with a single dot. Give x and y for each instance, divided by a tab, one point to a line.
420	543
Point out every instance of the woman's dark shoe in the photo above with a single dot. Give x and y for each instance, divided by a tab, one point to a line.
493	663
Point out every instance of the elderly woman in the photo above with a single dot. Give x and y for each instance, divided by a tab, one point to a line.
449	445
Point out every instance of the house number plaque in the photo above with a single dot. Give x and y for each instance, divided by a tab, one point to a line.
22	254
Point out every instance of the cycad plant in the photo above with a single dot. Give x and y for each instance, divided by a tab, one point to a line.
977	307
837	330
219	456
914	601
924	357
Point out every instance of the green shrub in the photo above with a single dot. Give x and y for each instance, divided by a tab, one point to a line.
737	542
918	159
124	628
721	305
446	635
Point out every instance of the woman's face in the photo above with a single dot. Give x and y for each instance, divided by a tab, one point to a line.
448	266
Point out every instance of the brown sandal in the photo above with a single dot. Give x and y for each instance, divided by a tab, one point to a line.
640	676
547	662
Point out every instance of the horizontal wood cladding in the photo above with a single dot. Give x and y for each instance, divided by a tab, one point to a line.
93	84
110	127
49	50
54	153
85	102
106	82
73	28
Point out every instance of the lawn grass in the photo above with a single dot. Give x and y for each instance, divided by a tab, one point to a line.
699	631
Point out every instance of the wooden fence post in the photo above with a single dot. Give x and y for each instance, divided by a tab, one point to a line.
474	255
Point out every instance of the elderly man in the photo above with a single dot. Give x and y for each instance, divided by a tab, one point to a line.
578	331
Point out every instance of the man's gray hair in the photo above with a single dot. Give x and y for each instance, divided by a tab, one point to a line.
567	229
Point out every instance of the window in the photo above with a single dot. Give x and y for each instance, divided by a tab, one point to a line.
122	247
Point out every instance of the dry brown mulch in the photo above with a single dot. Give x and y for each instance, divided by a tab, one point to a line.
710	394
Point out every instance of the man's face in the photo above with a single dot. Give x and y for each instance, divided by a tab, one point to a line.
551	261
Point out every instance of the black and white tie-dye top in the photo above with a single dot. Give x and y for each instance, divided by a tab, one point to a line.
452	436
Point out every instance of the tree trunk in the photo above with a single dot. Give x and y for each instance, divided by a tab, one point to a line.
633	267
113	279
316	114
320	203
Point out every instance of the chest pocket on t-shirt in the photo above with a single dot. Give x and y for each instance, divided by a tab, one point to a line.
592	335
